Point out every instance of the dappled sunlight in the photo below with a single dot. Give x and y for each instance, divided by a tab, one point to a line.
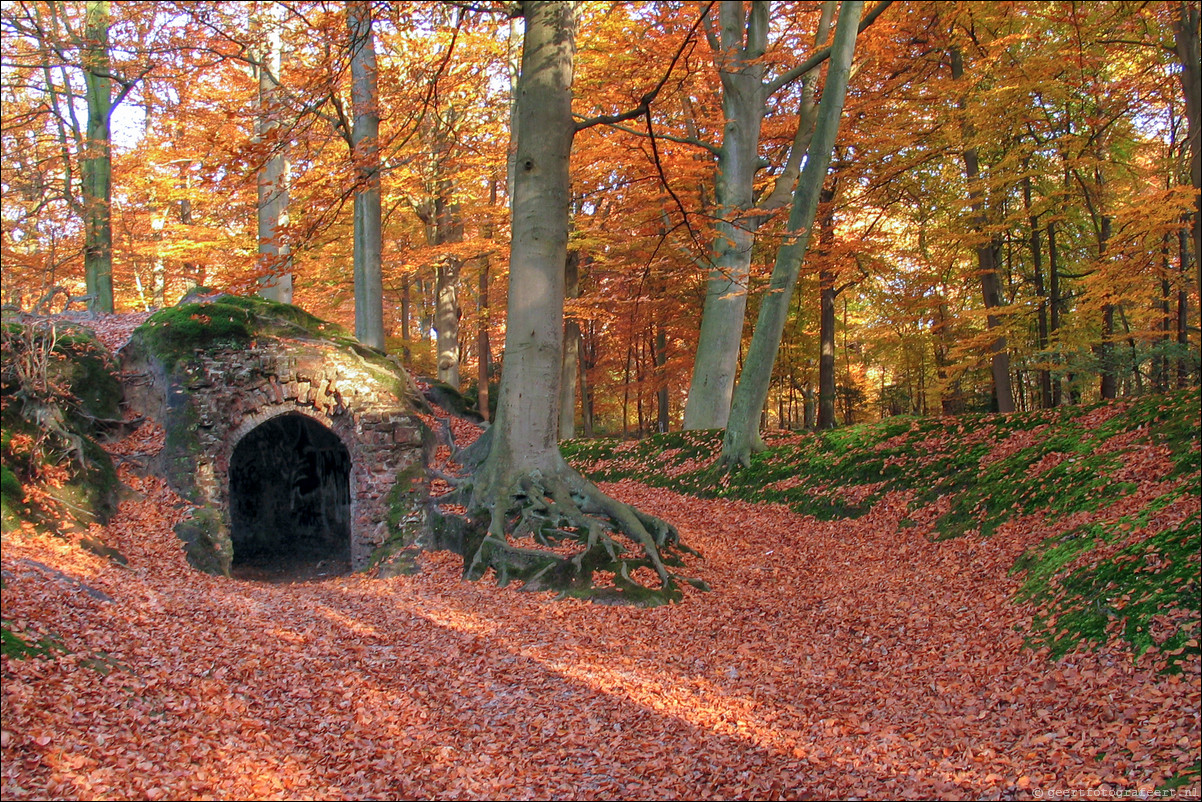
850	657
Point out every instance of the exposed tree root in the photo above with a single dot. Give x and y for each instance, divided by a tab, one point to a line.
552	530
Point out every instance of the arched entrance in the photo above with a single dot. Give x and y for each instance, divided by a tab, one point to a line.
290	501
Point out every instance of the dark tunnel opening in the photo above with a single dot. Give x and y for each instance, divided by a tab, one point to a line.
290	502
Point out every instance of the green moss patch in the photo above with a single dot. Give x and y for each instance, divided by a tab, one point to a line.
59	393
407	525
228	322
20	647
207	544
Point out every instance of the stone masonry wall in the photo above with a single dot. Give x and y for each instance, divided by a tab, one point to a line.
227	394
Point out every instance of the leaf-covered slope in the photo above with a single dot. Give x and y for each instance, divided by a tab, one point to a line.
1114	487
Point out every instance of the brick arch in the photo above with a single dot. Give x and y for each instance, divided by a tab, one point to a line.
340	424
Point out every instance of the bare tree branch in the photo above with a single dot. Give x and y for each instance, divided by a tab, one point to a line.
644	106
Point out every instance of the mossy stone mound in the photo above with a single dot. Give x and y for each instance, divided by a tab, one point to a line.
211	371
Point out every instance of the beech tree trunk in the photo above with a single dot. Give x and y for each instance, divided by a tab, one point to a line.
571	353
1189	52
740	48
1054	306
826	325
1183	307
742	431
741	44
483	349
525	433
446	319
1045	375
369	284
96	162
520	486
663	413
1108	380
275	259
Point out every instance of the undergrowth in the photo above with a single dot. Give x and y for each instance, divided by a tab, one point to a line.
59	398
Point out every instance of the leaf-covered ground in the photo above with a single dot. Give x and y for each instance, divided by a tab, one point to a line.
838	656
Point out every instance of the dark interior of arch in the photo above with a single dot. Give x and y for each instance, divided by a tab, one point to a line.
290	501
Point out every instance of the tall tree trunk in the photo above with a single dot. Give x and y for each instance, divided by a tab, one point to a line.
444	226
742	42
521	483
484	350
446	318
525	434
588	358
742	432
1166	317
849	405
1054	304
571	352
1183	308
483	347
826	319
987	261
663	416
1045	375
951	396
275	259
194	275
1189	52
96	162
369	284
740	47
1108	380
405	311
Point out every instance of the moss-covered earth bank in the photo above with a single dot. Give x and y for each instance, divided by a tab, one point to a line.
1113	487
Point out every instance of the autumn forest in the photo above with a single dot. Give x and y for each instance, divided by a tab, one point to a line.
1009	182
722	399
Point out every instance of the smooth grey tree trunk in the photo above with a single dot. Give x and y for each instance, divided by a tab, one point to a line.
571	353
1108	383
745	93
827	293
740	47
483	349
1041	332
96	162
369	285
520	483
446	318
447	312
275	259
525	432
444	226
742	431
1189	52
1054	305
662	411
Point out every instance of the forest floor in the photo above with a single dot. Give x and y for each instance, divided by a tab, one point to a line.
854	657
